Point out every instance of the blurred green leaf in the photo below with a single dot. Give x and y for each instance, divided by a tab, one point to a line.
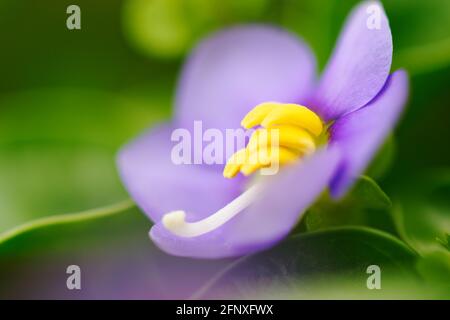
58	149
16	239
72	115
101	241
445	242
314	21
383	160
392	288
169	28
369	194
423	218
421	31
435	268
423	221
112	247
42	179
366	204
43	53
326	256
159	27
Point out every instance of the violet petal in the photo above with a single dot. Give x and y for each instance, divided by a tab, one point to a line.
159	186
360	133
234	70
359	65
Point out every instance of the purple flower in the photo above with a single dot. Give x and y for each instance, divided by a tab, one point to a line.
226	76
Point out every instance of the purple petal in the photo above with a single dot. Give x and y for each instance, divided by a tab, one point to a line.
360	133
359	65
236	69
278	208
159	186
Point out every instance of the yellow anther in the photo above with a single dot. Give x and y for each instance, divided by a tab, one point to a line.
289	132
295	115
235	163
261	158
257	114
285	136
271	114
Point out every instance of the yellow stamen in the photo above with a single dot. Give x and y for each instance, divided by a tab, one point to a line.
235	163
261	158
288	136
257	114
289	132
272	114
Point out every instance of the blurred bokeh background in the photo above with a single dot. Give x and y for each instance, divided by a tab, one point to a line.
70	98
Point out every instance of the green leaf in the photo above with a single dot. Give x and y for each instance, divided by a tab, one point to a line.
445	242
434	267
392	288
11	237
75	231
326	256
366	204
113	249
101	241
423	216
368	193
383	160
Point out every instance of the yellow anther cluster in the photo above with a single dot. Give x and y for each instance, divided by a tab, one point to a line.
288	132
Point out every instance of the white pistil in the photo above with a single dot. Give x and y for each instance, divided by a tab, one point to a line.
175	221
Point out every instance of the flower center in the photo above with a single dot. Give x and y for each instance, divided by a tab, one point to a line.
288	132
